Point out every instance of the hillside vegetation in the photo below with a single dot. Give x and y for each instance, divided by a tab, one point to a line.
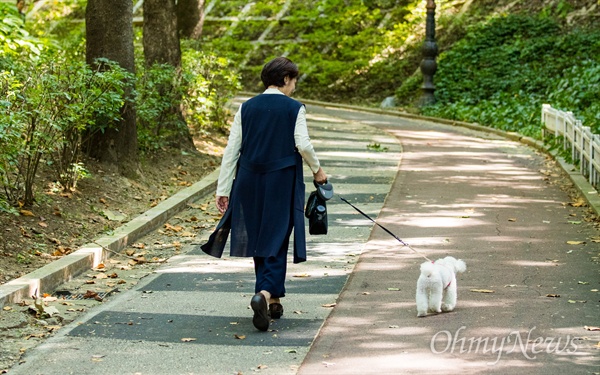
498	62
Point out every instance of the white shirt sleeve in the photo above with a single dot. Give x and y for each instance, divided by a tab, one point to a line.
230	156
302	140
234	145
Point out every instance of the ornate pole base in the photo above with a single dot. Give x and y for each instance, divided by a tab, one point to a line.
429	65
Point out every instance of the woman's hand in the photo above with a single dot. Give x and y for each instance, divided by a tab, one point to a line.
222	203
320	176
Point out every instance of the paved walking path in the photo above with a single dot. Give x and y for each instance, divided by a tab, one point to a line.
443	190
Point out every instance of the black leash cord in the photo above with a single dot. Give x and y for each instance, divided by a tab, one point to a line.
374	222
382	227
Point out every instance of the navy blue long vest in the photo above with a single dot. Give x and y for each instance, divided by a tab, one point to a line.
267	197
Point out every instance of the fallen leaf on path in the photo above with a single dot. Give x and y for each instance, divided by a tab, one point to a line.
239	337
576	242
583	282
302	275
177	228
26	213
53	328
482	291
36	335
328	305
591	328
92	295
553	295
580	203
188	339
512	219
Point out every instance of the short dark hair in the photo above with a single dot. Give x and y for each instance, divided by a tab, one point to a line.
274	72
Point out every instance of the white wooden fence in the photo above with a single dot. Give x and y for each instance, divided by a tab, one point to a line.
584	145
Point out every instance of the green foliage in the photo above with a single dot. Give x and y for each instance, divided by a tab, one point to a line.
159	90
505	68
14	38
578	91
210	82
45	109
60	22
345	49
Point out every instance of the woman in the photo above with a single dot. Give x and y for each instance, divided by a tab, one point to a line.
261	186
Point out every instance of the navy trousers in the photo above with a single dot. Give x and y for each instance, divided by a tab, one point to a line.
270	271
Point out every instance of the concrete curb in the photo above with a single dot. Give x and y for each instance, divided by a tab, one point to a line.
47	278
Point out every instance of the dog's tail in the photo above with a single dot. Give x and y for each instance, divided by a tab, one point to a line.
459	266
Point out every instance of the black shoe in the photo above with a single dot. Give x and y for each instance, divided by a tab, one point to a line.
261	315
275	310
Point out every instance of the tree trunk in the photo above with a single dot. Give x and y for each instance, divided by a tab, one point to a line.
190	18
109	34
161	43
161	46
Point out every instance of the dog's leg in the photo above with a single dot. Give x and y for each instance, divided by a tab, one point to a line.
421	298
450	297
435	297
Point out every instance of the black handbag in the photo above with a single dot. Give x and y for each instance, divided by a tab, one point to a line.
316	208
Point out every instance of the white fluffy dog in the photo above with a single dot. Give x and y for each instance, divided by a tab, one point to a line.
436	287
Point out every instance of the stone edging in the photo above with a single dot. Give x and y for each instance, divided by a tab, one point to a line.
90	255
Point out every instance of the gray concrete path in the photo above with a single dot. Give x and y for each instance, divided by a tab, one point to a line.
495	204
350	309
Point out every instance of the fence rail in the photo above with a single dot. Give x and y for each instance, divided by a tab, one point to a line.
584	145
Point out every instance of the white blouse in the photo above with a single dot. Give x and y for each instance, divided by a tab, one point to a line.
234	143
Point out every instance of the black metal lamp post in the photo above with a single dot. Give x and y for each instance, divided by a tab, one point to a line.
430	50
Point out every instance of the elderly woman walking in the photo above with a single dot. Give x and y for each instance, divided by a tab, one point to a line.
261	186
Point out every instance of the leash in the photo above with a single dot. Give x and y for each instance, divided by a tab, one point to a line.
384	228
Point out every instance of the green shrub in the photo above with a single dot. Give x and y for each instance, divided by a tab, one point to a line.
210	82
45	110
159	92
14	38
504	69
